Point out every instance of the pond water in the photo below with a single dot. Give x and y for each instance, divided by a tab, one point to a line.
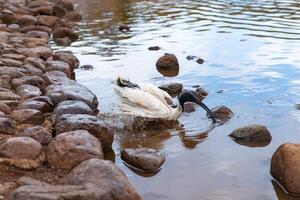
251	50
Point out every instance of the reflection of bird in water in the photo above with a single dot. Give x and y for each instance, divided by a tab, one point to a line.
147	100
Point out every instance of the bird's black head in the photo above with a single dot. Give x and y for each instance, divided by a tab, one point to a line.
189	96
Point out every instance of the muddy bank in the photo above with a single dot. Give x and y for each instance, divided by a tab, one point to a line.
49	131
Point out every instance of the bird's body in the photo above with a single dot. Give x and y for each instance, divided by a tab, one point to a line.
147	100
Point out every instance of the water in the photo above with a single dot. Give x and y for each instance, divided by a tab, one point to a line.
251	51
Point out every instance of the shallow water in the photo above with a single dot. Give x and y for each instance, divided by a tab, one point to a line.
251	52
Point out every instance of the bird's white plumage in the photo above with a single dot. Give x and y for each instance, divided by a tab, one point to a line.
147	101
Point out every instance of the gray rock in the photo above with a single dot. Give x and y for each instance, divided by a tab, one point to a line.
4	84
32	71
190	107
41	106
20	148
28	91
145	159
95	126
39	133
71	148
251	133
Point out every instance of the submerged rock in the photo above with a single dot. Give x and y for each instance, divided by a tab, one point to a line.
174	89
285	167
190	107
145	159
154	48
222	113
70	148
251	133
168	61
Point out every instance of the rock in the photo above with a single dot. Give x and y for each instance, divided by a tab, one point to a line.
8	126
145	159
42	52
191	57
124	28
42	10
251	133
222	113
13	72
190	107
285	167
36	28
87	67
28	116
71	90
28	91
173	89
105	175
29	80
56	65
6	94
24	180
35	4
45	99
59	11
46	20
200	61
20	148
62	32
12	104
55	77
32	71
7	187
36	62
65	41
7	17
4	84
14	56
32	43
71	148
168	61
37	34
27	20
38	133
11	62
66	4
68	58
200	93
4	108
71	107
168	72
154	48
95	126
41	106
73	16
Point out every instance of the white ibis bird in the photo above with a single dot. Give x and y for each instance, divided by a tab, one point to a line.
147	100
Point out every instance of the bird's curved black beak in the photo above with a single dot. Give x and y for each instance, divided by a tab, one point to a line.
211	115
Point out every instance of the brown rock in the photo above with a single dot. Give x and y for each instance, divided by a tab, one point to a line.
20	148
200	93
28	116
6	94
7	17
66	4
41	106
190	107
63	41
71	148
56	65
8	126
168	61
68	58
12	104
36	28
45	99
251	133
173	89
29	80
42	10
28	91
55	77
62	32
222	113
4	108
59	11
42	52
46	20
38	133
11	62
14	56
31	43
105	175
32	71
285	167
36	62
27	20
35	4
37	34
4	84
73	16
145	159
95	126
7	187
13	72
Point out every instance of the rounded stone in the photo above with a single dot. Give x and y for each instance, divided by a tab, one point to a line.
27	20
173	89
28	116
222	113
168	61
251	133
39	133
28	91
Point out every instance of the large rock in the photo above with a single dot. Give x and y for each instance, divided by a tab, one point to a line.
13	72
42	10
97	127
173	89
29	80
145	159
222	113
32	71
20	148
111	182
28	116
30	42
41	106
168	61
42	52
4	108
251	133
46	20
28	91
36	62
8	126
4	84
71	90
71	148
62	32
55	77
56	65
39	133
68	58
285	167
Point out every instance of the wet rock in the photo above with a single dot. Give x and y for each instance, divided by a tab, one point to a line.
251	133
87	67
62	32
36	28
41	106
168	72
32	71
37	34
191	57
11	62
68	58
42	52
28	91
97	127
20	148
124	28
200	61
65	41
4	108
14	56
6	94
145	159
71	148
222	113
39	133
200	93
59	11
28	116
13	72
46	20
73	16
32	43
27	20
285	167
105	175
71	107
36	62
190	107
8	126
56	65
168	61
55	77
173	89
154	48
29	80
71	90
